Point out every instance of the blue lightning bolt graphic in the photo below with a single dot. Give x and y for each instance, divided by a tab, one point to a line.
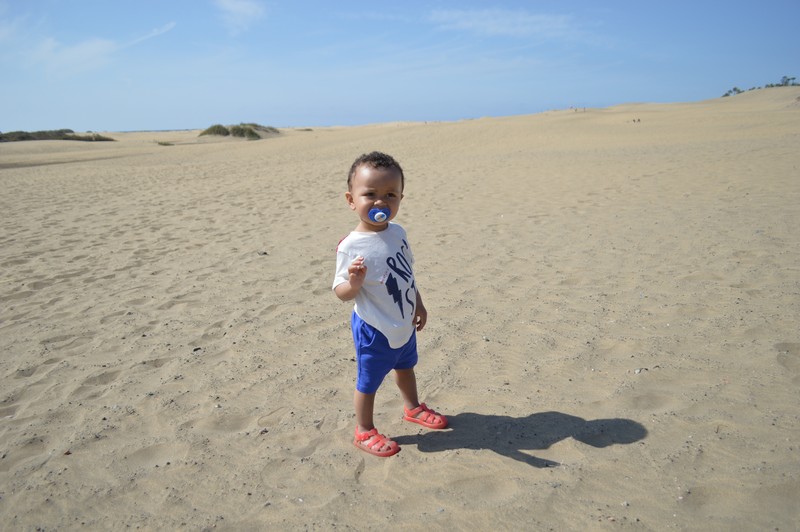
394	291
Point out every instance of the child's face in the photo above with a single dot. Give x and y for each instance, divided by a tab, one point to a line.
374	188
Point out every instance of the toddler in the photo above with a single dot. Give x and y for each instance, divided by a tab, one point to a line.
374	268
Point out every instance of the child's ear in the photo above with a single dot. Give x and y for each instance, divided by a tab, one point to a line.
349	197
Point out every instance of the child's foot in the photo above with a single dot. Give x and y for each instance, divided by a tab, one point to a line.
425	416
375	443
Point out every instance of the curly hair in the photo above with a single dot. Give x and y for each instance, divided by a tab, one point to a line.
375	159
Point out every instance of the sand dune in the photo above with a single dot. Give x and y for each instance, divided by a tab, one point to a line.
614	299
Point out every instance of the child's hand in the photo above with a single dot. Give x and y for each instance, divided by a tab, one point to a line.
420	314
358	272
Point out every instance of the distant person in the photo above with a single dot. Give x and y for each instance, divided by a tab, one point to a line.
374	268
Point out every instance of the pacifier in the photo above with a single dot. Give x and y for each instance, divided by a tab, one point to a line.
379	215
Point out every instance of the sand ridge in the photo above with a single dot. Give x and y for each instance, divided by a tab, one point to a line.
613	297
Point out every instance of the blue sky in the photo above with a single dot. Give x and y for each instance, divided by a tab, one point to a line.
124	65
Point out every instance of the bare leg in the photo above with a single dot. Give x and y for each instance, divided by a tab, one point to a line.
365	405
406	380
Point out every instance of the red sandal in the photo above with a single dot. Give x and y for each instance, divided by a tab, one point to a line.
371	441
427	418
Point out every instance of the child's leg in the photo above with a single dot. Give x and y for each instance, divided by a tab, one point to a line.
365	405
414	410
406	380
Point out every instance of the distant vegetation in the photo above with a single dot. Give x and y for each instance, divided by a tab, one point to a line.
786	81
57	134
249	131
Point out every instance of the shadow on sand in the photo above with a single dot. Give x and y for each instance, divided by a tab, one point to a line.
509	436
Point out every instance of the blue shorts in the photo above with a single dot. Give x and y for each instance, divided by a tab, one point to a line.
375	358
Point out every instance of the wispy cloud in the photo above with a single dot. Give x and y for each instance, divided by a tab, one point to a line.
155	33
67	59
72	59
239	15
507	23
9	28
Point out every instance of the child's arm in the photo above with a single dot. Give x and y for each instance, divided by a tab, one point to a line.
420	313
349	289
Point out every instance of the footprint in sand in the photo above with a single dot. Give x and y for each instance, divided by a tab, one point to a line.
222	423
8	411
34	447
25	373
274	417
157	455
789	356
65	341
95	386
102	379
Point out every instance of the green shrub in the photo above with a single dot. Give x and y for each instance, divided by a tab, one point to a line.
250	131
265	129
786	81
238	131
58	134
94	137
12	136
216	129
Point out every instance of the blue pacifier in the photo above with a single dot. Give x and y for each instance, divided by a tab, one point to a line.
379	215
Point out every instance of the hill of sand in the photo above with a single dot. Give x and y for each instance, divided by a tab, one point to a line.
613	297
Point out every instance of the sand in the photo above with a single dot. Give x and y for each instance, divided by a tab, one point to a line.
613	297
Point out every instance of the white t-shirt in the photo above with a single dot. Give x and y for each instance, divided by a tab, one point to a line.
388	298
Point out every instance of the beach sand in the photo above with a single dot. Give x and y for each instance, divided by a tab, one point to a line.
613	298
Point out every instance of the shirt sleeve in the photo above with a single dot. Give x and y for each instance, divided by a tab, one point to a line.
410	254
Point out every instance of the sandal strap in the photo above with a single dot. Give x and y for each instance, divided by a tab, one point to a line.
372	439
377	442
427	413
364	436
